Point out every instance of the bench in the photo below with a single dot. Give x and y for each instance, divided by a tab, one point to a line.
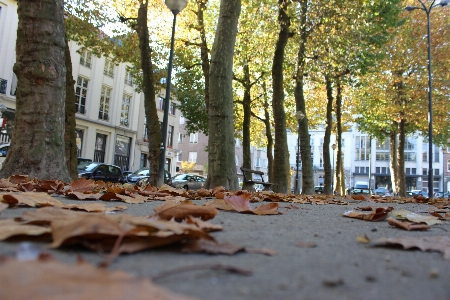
248	178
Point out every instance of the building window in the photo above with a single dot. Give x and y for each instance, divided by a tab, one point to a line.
425	152
109	68
100	147
85	58
436	172
103	112
378	170
410	156
172	108
80	95
125	111
128	77
410	143
236	160
170	136
161	103
258	163
144	160
193	157
448	165
424	171
408	171
180	138
362	148
193	138
382	156
436	153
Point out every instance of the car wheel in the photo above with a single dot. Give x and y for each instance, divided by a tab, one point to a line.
186	187
142	182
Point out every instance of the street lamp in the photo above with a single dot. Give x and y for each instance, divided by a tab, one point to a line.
332	178
299	115
175	6
427	10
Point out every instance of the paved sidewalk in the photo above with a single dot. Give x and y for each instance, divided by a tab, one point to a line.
338	267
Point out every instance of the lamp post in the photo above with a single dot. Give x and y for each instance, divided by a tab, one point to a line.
299	115
332	173
427	10
175	6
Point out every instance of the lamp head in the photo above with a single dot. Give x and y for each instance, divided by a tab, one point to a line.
299	115
333	146
176	5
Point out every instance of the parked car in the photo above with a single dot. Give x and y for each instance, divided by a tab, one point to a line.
188	181
101	171
3	151
381	191
419	192
141	176
83	162
319	189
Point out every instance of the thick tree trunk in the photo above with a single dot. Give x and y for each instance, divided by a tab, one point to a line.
37	146
326	140
393	163
221	142
305	143
151	115
401	188
280	181
70	121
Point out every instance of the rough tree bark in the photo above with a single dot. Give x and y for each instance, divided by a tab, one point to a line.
393	143
151	114
401	187
305	143
37	146
280	180
221	142
340	187
327	137
70	120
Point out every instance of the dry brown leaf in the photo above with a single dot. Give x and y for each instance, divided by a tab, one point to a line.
219	204
212	247
31	199
424	243
46	215
83	196
82	185
239	202
407	225
379	214
11	228
202	224
204	192
218	189
170	210
50	186
51	280
6	185
16	179
445	217
267	209
116	208
89	207
363	239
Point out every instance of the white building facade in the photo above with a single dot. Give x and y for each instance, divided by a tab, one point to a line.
367	159
110	118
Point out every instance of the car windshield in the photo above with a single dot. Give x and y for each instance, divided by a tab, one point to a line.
88	168
179	177
143	171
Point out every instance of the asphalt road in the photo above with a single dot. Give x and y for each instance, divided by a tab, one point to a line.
338	267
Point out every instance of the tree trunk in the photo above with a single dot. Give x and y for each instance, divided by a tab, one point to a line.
268	136
279	162
401	188
37	146
221	142
151	115
70	121
305	143
340	180
204	50
393	163
247	163
326	140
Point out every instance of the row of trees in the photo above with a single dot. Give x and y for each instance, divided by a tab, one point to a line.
245	68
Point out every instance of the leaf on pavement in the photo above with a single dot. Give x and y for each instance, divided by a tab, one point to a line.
49	279
407	225
92	207
82	185
212	247
16	179
267	209
7	185
202	224
379	214
11	228
239	202
219	204
424	243
445	217
363	239
171	210
50	186
413	217
83	196
31	199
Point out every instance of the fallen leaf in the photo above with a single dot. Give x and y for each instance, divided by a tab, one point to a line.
219	204
31	199
306	245
413	217
212	247
379	214
50	279
170	210
424	243
82	185
89	207
240	203
11	228
267	209
363	239
202	224
407	225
